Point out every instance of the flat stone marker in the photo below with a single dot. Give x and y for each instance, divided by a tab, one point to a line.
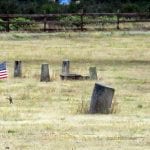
66	75
65	67
17	69
45	77
93	73
101	99
71	76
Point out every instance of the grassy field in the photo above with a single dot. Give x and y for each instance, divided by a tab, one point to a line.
49	116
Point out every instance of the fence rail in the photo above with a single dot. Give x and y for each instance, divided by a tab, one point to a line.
48	22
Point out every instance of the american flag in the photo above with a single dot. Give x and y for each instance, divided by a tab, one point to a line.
3	71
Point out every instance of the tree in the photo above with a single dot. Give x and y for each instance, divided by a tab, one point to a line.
52	6
9	6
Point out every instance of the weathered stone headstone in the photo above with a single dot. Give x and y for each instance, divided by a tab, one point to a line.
45	73
93	73
101	99
18	69
65	67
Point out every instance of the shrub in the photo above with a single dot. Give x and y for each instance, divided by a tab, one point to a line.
70	21
2	26
21	24
130	8
50	8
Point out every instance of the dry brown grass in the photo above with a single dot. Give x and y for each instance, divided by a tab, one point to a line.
50	115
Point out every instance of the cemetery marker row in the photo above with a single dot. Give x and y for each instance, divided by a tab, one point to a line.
102	95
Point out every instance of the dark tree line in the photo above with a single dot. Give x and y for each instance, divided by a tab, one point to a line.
91	6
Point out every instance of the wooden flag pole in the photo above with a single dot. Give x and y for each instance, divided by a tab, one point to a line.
8	88
8	95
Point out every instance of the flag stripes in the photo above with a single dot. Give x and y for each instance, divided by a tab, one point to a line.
3	71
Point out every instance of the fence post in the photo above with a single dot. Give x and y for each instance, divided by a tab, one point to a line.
93	73
65	67
101	99
81	23
45	22
18	69
118	21
7	24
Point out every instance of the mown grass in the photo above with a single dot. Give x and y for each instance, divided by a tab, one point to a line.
50	115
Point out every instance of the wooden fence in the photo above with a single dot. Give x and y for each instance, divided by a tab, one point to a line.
76	21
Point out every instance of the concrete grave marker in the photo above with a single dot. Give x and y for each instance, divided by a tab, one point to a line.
65	67
101	99
45	73
18	69
93	73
